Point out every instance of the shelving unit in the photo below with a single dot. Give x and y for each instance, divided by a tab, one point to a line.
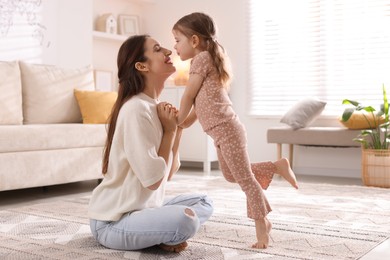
108	36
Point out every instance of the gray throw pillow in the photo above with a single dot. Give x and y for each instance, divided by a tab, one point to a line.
303	113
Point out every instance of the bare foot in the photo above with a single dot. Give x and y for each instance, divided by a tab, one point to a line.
263	228
283	169
174	248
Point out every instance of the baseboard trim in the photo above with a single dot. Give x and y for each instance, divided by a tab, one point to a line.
332	172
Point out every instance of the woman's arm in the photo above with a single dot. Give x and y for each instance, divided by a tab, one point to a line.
167	116
194	83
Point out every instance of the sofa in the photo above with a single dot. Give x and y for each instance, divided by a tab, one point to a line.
43	140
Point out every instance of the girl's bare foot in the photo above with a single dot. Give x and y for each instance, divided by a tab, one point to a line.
263	228
283	169
174	248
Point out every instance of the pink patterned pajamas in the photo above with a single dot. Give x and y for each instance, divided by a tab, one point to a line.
231	144
218	119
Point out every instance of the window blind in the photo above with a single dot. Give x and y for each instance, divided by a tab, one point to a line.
330	49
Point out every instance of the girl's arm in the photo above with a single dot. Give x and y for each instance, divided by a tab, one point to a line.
194	83
191	118
175	151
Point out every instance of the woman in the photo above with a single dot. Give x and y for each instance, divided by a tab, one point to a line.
127	210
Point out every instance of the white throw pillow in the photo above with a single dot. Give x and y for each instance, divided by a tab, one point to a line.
303	113
48	93
11	112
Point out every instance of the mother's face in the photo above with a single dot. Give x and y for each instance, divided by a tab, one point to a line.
158	59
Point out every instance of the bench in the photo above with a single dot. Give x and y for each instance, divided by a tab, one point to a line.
311	136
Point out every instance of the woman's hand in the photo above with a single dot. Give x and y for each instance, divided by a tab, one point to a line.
167	115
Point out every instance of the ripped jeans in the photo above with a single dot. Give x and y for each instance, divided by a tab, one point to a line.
170	224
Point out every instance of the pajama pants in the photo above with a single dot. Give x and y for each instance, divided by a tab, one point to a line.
231	145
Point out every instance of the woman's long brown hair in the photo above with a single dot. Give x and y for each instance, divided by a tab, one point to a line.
202	25
131	83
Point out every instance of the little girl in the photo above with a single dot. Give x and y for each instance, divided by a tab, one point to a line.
206	93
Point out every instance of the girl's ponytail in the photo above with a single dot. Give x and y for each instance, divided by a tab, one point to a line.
221	61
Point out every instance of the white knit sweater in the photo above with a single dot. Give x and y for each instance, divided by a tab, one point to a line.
133	164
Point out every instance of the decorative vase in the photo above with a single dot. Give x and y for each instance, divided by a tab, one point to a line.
376	167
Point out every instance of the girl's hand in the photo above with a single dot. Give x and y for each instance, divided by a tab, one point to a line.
167	115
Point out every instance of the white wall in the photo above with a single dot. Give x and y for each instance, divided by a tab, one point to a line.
68	42
231	16
50	32
74	33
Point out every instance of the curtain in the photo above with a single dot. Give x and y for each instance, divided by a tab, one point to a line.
329	49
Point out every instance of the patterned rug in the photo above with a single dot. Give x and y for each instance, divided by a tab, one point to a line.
318	221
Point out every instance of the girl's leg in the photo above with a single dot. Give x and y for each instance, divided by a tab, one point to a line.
283	169
264	172
171	224
257	204
231	142
224	166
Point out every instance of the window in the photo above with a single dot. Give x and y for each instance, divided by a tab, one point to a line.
330	49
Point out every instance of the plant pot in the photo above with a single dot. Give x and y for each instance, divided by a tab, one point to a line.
376	167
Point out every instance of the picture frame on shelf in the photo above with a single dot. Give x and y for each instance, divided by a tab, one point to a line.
103	80
128	24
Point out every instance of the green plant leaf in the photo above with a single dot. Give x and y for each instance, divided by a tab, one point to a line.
352	102
378	137
369	109
384	125
347	114
385	104
366	132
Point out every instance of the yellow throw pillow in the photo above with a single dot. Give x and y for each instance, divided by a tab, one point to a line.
95	106
358	120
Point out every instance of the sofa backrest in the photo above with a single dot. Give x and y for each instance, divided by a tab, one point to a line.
47	92
41	94
11	112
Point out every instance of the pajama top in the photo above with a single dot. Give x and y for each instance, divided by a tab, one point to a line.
212	104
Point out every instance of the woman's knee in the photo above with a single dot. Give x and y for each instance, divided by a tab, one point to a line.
189	224
208	203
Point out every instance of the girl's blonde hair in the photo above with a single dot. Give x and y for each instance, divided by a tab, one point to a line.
202	25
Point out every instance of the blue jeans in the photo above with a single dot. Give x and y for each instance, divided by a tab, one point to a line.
168	224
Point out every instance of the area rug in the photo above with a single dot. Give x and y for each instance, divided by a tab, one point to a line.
318	221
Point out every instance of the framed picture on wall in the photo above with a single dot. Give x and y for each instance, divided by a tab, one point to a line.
103	80
128	24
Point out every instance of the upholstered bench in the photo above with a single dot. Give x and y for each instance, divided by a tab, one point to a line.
311	136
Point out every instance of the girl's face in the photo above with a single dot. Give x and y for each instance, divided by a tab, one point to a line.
158	60
183	46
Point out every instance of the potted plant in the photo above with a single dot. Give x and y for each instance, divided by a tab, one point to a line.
375	141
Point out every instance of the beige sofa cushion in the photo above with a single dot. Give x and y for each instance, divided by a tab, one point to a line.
48	93
40	137
10	94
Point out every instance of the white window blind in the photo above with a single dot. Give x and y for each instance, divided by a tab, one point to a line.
330	49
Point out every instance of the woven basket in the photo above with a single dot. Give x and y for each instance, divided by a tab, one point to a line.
376	168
